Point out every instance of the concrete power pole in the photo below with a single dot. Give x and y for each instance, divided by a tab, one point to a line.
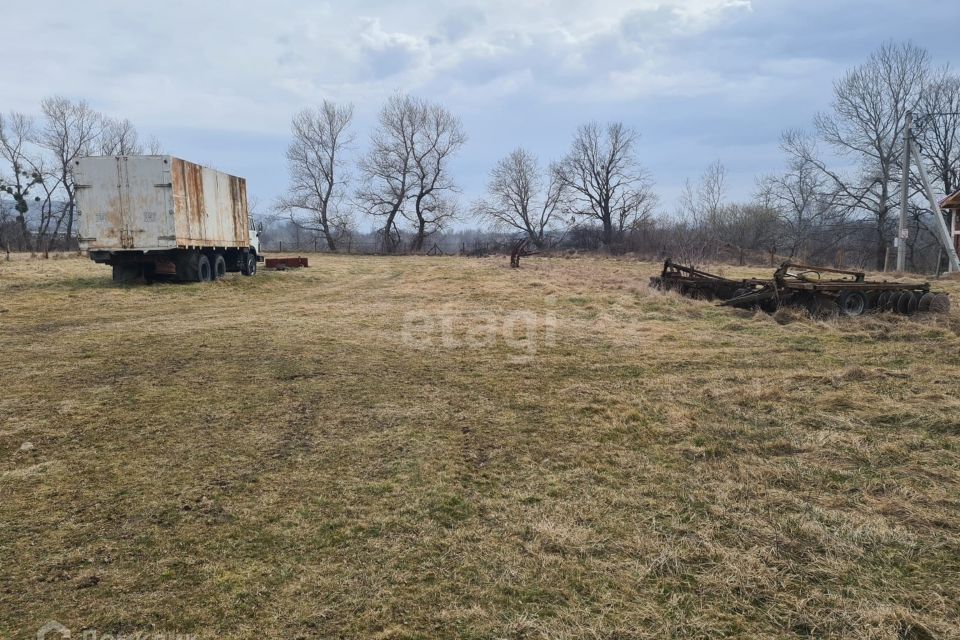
904	194
941	226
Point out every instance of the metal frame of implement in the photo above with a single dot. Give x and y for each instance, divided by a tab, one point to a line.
841	291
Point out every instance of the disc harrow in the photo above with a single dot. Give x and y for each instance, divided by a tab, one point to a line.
822	291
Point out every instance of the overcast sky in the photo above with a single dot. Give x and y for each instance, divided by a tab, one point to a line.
699	79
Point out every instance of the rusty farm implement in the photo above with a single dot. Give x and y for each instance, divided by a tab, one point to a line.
822	291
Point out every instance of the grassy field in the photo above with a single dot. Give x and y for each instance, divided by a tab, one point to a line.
445	447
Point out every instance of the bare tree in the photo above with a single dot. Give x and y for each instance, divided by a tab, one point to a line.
437	136
746	227
387	170
517	198
6	214
634	208
154	147
803	202
50	206
16	133
318	178
938	128
865	126
711	192
70	130
119	138
604	180
687	238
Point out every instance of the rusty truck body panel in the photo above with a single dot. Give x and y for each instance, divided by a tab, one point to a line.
149	203
163	216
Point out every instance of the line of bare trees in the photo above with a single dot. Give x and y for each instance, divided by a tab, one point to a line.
403	178
600	183
37	192
836	200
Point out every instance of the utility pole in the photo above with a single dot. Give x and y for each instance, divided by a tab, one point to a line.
904	194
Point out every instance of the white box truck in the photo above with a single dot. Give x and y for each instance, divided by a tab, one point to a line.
162	217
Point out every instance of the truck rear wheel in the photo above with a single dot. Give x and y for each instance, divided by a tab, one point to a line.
249	266
219	266
204	271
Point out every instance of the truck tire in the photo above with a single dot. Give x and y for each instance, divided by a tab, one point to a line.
219	266
249	266
204	270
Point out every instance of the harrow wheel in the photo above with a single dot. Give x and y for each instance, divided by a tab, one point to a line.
914	303
940	303
906	303
925	300
852	303
893	301
881	302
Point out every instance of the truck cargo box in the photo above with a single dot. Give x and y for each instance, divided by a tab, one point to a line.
158	203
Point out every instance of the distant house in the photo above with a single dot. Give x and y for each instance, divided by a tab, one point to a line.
952	204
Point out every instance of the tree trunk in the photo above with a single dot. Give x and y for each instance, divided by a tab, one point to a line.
607	237
69	224
882	213
328	236
388	227
417	245
881	254
881	241
25	232
535	238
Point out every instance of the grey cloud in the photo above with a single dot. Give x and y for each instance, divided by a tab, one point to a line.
461	23
386	53
388	61
518	74
643	25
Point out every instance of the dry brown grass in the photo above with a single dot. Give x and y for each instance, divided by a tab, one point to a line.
282	457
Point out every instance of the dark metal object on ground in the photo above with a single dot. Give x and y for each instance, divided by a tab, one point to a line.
846	292
519	251
281	264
